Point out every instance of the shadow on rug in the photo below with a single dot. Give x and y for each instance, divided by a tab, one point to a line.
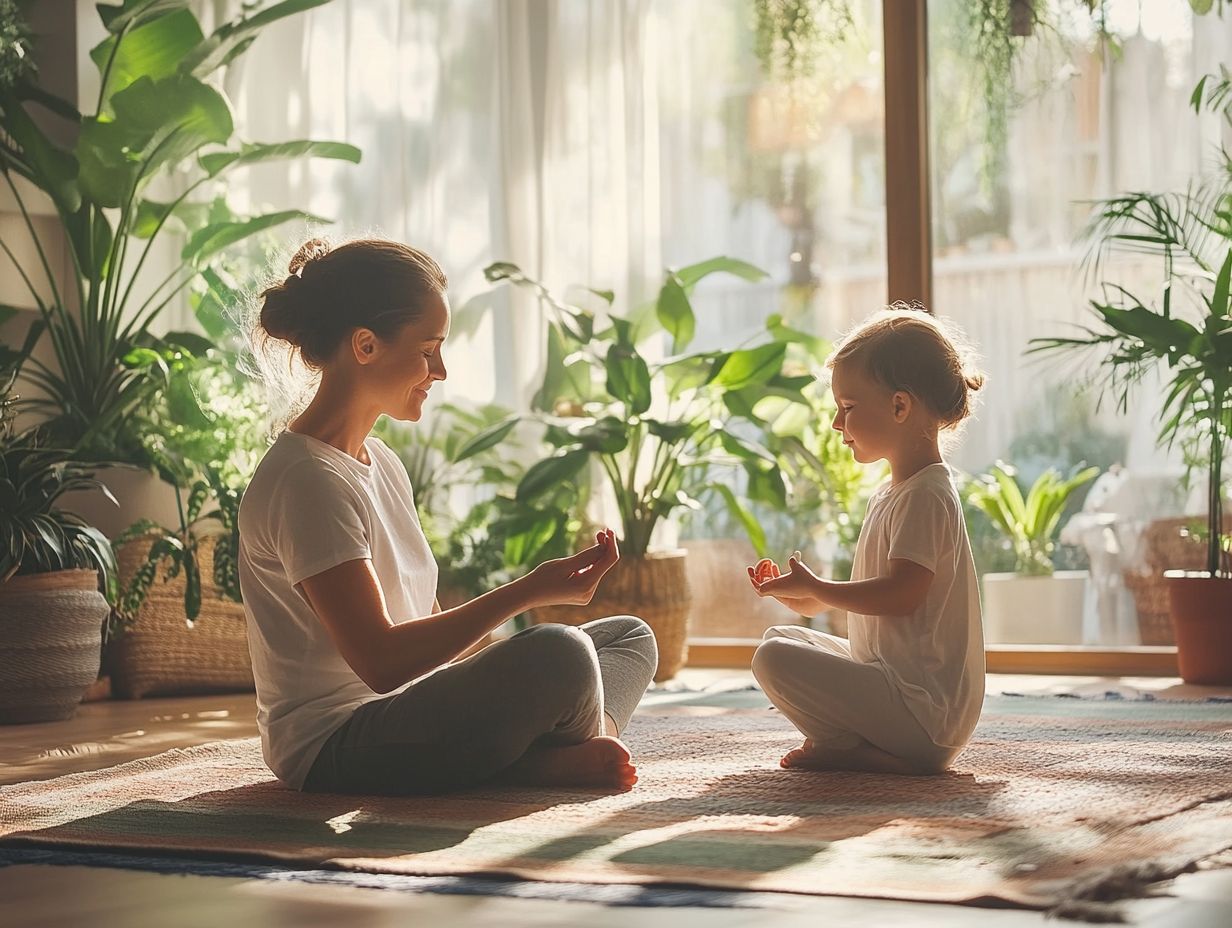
1053	797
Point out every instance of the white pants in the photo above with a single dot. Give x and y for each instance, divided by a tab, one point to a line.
839	702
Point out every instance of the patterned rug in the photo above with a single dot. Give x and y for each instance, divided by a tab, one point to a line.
1054	799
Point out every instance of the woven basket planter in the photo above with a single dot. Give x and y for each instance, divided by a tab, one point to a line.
160	655
51	628
1166	549
655	588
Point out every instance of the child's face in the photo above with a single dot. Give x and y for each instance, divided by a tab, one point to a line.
868	413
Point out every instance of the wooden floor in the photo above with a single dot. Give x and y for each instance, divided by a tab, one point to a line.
107	733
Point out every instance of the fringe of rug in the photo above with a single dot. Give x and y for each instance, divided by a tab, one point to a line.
1097	898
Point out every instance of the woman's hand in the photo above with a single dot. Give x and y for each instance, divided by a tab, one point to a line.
795	589
573	580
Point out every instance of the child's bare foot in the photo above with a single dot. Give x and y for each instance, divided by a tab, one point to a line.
601	761
865	758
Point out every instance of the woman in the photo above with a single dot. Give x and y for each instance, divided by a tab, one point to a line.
359	685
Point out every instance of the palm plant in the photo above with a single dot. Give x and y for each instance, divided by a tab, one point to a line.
1189	330
1029	524
159	112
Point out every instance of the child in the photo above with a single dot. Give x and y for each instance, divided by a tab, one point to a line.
904	693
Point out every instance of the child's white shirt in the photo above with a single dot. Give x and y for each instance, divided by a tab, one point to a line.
934	656
310	507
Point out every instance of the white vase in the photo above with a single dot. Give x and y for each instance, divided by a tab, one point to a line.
1021	609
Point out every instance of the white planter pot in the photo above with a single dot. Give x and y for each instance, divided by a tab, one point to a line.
1034	610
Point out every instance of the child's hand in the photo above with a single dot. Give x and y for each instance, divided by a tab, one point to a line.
794	589
573	580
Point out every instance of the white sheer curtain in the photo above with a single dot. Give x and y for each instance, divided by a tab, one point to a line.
520	130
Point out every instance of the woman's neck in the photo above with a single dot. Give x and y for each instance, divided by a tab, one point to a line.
338	417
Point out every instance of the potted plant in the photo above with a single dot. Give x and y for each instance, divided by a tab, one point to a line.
1034	604
1197	411
159	112
179	620
657	433
51	611
1187	335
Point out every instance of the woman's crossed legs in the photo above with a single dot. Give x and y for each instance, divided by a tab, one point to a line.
538	707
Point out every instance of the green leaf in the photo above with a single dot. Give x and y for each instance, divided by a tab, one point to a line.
551	472
504	270
1219	299
488	438
150	215
1161	333
751	526
628	379
608	435
153	49
216	237
134	12
1195	98
232	39
750	366
818	348
675	313
689	276
55	170
766	485
215	163
687	373
155	123
670	433
555	375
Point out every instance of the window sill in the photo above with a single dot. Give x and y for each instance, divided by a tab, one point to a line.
1024	659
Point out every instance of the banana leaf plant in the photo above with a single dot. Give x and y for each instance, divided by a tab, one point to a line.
660	432
160	113
1029	524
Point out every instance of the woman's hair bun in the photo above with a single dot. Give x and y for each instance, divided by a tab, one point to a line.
308	252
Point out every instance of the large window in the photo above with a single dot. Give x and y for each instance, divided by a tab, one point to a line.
1025	133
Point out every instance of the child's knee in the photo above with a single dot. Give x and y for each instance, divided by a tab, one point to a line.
778	631
769	660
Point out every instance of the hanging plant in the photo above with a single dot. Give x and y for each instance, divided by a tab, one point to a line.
16	60
791	34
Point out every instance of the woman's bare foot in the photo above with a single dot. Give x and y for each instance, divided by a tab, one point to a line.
864	757
601	761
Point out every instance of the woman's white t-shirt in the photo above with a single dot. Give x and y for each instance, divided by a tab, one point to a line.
310	507
935	656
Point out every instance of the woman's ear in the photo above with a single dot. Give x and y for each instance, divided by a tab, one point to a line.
363	345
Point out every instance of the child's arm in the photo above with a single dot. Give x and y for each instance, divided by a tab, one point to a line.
901	592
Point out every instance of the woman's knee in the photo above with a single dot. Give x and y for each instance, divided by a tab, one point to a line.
631	632
566	651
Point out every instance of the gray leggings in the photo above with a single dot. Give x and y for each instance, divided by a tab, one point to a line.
548	684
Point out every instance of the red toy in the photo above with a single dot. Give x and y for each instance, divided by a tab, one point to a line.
765	570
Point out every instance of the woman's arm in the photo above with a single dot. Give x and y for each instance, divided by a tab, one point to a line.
349	601
900	592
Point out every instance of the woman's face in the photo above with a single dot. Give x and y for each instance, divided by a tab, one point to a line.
403	370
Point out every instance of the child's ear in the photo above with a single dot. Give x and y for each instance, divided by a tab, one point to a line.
902	402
